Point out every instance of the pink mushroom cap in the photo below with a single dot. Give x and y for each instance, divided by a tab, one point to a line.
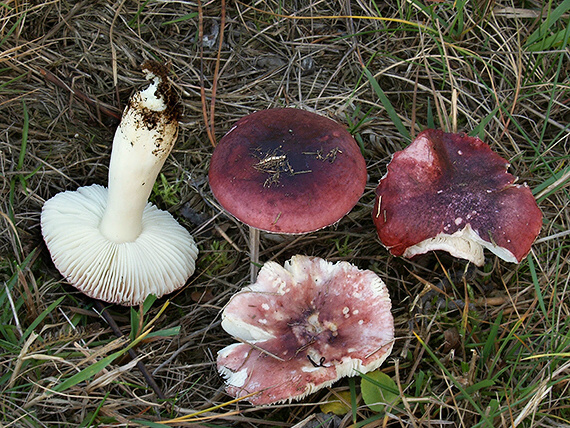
287	171
302	327
451	192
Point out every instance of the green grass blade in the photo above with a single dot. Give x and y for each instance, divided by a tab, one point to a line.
479	130
150	424
87	373
540	32
430	117
353	402
12	29
25	129
558	180
181	19
537	289
95	368
167	332
472	389
489	347
135	323
388	106
555	85
455	381
91	421
135	18
40	318
367	422
4	85
148	302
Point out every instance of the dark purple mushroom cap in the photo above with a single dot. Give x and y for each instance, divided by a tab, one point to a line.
452	192
287	171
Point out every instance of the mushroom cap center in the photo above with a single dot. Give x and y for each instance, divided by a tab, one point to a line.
310	329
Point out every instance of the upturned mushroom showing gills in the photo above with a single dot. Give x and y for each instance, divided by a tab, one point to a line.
451	192
302	326
111	243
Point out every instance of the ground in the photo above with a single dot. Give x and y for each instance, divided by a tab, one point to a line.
475	346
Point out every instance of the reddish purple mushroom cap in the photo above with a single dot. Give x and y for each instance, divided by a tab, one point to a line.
303	326
451	192
287	171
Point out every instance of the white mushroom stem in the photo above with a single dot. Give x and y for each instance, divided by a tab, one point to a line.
141	144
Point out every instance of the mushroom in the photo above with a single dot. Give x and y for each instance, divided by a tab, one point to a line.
302	327
451	192
287	171
111	243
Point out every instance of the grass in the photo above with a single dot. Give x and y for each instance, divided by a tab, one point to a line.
475	347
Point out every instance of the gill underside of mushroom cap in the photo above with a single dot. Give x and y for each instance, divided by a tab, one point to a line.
123	273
